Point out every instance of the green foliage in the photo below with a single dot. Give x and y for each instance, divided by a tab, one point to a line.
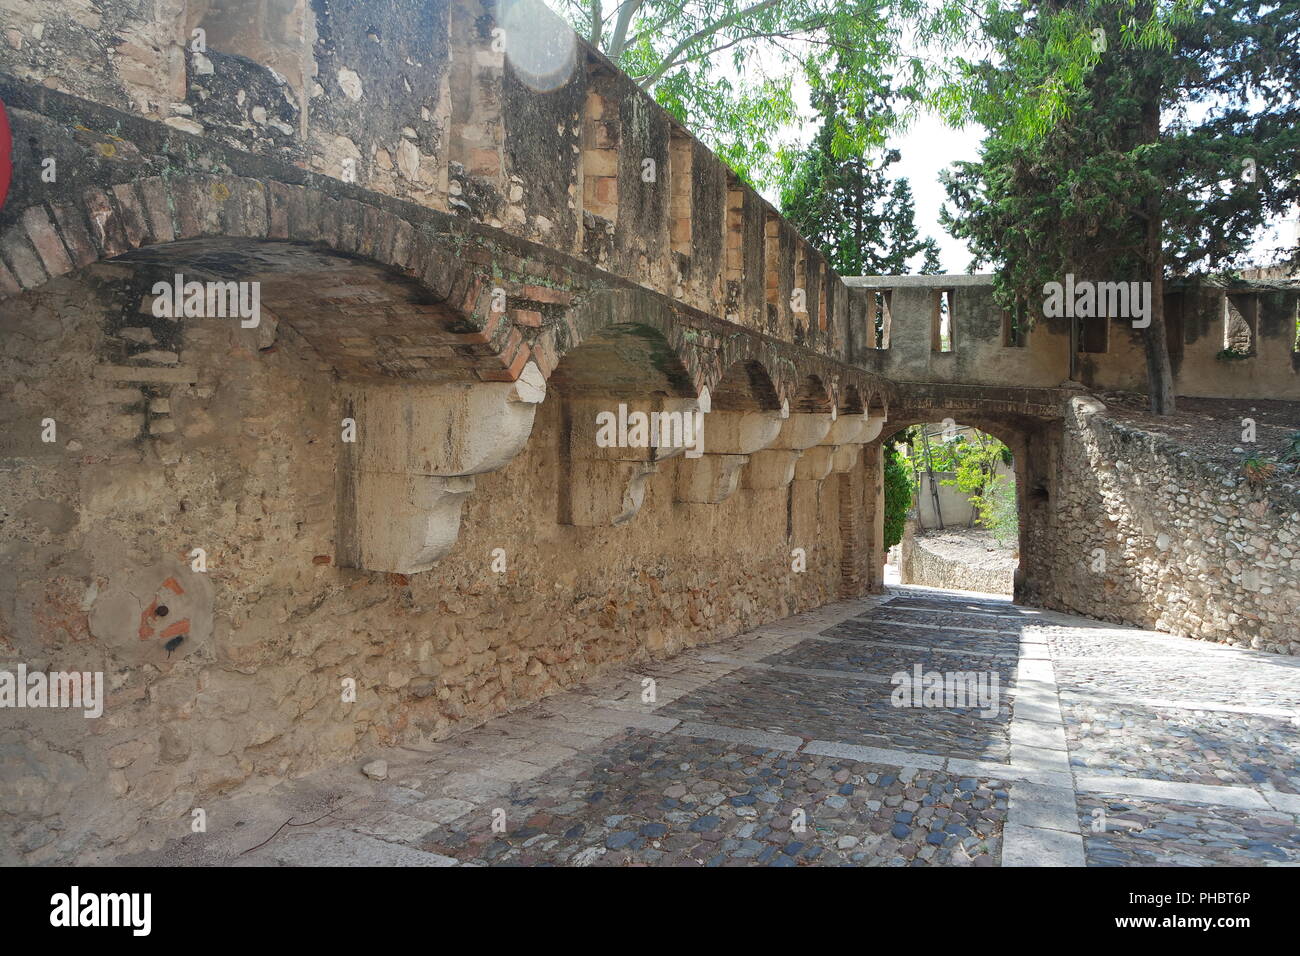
973	462
899	491
725	67
847	206
996	509
1258	468
1085	145
1291	448
966	456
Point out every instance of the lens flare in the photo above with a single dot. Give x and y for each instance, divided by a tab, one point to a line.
540	46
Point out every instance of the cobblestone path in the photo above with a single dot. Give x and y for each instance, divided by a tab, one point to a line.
782	747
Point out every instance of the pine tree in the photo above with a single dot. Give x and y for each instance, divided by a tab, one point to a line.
860	219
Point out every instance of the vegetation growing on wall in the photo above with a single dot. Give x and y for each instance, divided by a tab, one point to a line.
900	488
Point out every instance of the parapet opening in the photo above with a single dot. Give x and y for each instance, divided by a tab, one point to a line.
1094	335
1015	325
1240	324
942	329
882	316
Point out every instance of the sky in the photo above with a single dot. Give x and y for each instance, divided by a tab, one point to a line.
926	148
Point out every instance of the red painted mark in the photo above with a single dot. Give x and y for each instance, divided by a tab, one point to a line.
149	616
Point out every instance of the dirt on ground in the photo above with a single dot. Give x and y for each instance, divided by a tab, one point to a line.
1211	428
976	547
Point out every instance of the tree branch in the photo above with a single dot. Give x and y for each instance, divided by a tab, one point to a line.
669	62
618	42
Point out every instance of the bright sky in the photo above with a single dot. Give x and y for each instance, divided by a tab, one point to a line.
927	148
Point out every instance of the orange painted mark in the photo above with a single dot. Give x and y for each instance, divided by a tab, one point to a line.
146	631
172	585
180	627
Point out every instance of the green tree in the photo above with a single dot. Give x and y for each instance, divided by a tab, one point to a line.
1127	140
725	67
862	221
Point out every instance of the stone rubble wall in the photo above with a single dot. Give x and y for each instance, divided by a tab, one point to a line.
1188	547
955	562
102	522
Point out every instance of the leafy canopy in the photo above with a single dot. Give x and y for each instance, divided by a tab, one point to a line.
725	68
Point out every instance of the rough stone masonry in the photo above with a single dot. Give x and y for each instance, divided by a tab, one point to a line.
378	514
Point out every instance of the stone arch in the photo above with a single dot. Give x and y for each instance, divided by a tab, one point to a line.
243	227
435	374
640	324
851	401
1032	441
813	397
628	404
628	360
745	386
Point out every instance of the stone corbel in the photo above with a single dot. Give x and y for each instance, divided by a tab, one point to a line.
417	449
815	463
838	451
605	484
846	456
729	439
775	466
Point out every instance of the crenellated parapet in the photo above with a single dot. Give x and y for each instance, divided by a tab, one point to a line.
491	111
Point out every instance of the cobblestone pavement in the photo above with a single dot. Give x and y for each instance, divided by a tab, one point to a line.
786	747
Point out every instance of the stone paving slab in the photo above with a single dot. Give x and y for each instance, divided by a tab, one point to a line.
1241	797
1126	831
1043	807
1033	846
783	747
1185	746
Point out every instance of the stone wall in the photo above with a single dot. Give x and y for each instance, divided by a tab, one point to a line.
1141	533
95	569
955	560
1112	354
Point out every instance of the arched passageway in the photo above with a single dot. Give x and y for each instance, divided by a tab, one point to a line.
1032	439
